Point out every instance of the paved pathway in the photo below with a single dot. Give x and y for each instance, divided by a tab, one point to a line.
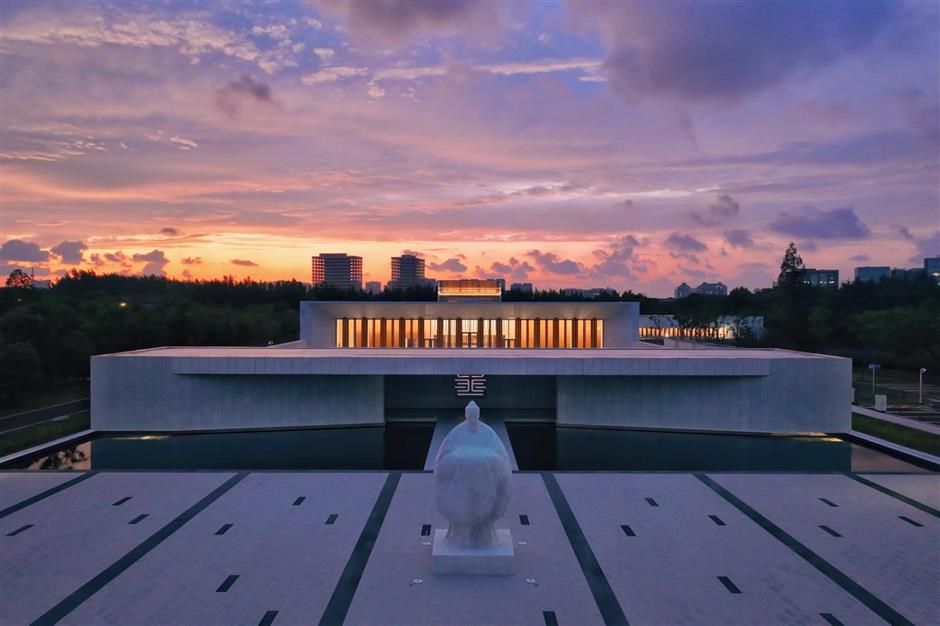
284	548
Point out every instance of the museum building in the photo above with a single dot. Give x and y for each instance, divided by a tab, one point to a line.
571	363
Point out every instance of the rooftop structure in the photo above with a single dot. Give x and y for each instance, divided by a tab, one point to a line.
469	290
932	268
337	269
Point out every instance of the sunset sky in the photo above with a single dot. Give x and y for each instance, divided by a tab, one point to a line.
565	144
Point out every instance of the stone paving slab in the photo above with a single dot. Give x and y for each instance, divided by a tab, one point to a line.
78	532
287	557
925	488
665	567
16	487
893	559
388	595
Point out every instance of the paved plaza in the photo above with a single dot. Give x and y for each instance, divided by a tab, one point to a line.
279	548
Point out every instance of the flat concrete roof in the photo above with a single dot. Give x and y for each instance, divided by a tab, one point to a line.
493	362
283	548
640	352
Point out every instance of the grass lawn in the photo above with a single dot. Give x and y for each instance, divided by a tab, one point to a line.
909	437
46	396
40	433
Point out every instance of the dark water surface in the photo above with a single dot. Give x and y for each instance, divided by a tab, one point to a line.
547	447
394	446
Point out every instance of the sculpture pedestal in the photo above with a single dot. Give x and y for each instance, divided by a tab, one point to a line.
496	561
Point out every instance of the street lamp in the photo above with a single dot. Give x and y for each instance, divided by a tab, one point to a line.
874	367
920	386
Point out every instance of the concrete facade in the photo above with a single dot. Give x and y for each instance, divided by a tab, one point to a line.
173	389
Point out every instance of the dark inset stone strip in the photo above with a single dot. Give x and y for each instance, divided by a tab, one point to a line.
627	530
425	530
829	503
524	520
338	606
550	618
331	519
894	494
299	501
76	598
718	521
729	584
223	529
830	531
227	583
19	530
122	500
600	588
139	518
651	502
858	592
268	618
910	521
45	494
831	619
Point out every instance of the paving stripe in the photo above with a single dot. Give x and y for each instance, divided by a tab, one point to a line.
830	531
550	618
338	606
831	619
299	501
829	503
268	618
19	530
718	521
139	518
227	583
627	530
651	502
894	494
331	519
223	529
910	521
122	501
858	592
45	494
600	588
729	584
76	598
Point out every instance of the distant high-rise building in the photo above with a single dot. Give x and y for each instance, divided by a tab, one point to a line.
820	278
523	287
407	271
932	268
337	269
373	287
908	274
873	274
712	289
704	289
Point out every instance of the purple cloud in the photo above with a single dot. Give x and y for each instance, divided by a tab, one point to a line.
243	262
70	252
551	262
246	90
450	265
728	50
23	251
812	222
739	238
724	209
155	261
685	243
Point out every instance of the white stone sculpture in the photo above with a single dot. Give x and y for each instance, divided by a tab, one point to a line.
472	478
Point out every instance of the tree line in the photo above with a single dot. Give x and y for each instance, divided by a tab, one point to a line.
49	334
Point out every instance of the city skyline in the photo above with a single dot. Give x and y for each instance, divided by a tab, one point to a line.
559	144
